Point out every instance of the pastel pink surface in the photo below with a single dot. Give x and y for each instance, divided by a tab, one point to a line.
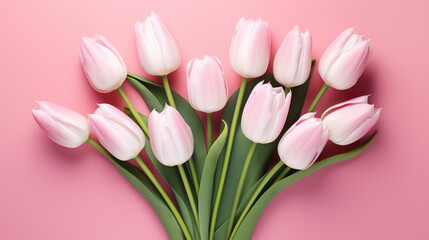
50	192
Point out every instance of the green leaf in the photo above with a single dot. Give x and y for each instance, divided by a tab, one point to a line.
246	228
155	98
172	176
206	188
241	145
146	188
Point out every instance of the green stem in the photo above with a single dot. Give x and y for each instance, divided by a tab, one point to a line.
99	147
133	111
318	97
240	188
255	195
209	131
283	174
168	91
287	90
189	193
194	176
155	183
227	157
164	195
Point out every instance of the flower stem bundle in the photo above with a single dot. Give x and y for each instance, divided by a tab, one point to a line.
221	184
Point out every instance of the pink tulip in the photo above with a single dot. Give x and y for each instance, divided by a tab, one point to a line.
102	64
250	48
345	59
292	63
303	142
158	52
207	87
120	135
349	121
265	113
170	137
62	125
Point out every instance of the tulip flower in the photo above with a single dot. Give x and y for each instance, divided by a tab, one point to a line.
158	52
263	118
249	56
170	137
303	142
250	48
292	63
118	133
62	125
344	60
102	64
265	113
349	121
173	144
207	87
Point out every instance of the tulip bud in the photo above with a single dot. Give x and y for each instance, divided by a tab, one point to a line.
102	64
62	125
207	87
250	48
349	121
344	60
158	52
265	113
292	63
170	137
120	135
303	142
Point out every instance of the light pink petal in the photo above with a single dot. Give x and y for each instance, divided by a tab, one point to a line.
361	99
362	129
301	146
250	48
290	63
104	70
347	69
171	138
114	138
118	117
344	121
334	51
57	132
158	51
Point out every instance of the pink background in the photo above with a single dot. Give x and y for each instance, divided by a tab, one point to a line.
50	192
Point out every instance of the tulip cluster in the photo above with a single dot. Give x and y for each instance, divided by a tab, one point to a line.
169	137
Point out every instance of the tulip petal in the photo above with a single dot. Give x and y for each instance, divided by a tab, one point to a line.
334	51
158	51
361	99
102	64
63	126
362	129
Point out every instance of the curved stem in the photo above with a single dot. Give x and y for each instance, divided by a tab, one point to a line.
168	91
254	196
283	174
155	183
190	195
240	188
318	97
164	195
209	131
227	157
133	111
194	176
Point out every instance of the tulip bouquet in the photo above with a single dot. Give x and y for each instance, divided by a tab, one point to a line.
221	187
